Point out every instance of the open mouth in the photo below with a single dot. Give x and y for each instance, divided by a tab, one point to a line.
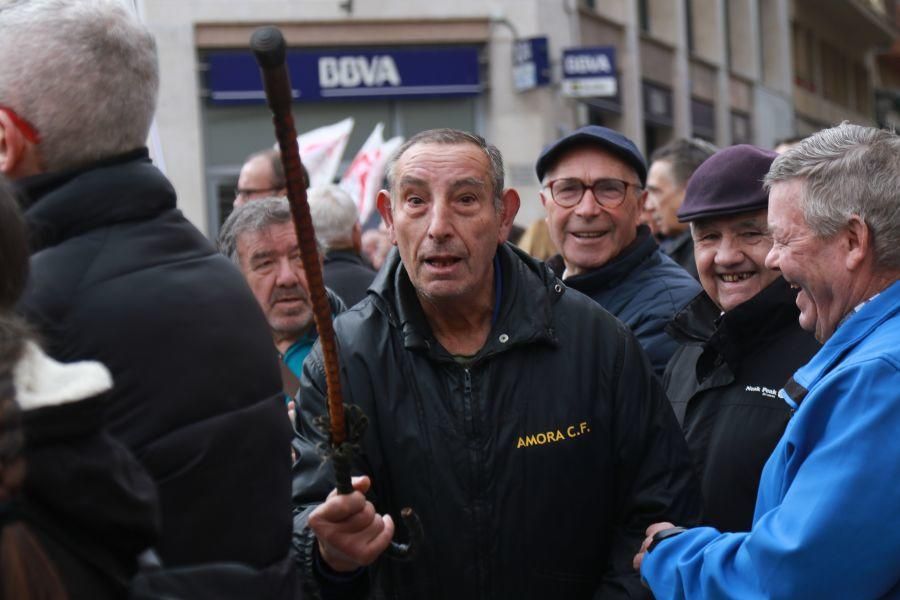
587	235
442	262
735	277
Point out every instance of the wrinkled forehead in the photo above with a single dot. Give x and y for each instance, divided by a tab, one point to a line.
276	238
785	203
432	161
590	160
755	219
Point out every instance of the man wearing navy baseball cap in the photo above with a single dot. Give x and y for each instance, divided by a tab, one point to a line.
593	188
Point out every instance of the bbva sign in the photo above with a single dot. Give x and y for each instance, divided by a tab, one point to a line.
356	71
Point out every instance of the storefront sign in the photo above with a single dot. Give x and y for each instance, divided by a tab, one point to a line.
233	77
531	66
589	72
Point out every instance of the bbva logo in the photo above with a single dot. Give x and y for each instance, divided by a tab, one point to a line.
353	71
584	64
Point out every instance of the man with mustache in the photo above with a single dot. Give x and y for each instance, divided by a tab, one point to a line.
259	237
519	419
593	182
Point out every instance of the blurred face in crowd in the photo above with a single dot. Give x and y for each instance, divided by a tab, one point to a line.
376	243
812	264
664	198
270	262
442	217
731	252
590	234
255	181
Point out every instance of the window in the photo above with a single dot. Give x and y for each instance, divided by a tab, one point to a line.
689	20
803	58
862	89
835	73
644	15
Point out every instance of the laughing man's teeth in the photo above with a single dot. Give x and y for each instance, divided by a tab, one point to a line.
588	234
733	277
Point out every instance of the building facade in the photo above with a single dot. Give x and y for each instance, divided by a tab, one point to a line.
519	72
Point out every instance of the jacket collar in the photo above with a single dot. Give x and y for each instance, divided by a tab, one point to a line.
848	336
615	271
67	203
348	256
735	333
530	290
676	243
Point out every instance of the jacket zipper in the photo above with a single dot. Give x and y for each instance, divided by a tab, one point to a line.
472	430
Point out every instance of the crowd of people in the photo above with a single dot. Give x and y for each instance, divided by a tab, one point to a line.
688	387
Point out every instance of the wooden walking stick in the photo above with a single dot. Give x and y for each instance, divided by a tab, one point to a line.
268	46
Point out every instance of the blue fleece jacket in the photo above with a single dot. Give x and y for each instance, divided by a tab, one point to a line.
828	506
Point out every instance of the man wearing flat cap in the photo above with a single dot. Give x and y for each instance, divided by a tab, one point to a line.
593	183
740	339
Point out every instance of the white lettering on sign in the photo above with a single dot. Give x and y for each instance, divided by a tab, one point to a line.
521	53
586	64
356	71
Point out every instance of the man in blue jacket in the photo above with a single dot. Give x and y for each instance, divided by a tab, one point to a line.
829	493
593	183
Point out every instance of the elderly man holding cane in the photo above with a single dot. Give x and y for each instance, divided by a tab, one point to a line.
519	418
828	495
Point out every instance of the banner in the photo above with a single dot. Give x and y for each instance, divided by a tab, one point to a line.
363	177
321	150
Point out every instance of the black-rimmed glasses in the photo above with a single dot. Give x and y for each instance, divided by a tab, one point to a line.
608	192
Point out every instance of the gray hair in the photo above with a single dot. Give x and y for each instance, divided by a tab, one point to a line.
848	170
84	73
685	155
253	216
452	137
333	215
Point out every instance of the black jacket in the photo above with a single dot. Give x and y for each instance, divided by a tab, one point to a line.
644	289
120	276
681	250
347	275
535	469
91	505
723	384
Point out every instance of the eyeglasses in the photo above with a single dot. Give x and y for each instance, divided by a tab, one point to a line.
247	192
609	193
28	130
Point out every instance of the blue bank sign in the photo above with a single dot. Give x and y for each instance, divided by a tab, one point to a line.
589	72
531	65
233	77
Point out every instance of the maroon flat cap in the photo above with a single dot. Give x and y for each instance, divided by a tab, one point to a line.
728	182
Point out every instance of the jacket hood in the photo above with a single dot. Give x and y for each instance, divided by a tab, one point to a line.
526	302
41	381
56	211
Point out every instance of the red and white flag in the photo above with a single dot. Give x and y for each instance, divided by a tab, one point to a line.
321	150
363	177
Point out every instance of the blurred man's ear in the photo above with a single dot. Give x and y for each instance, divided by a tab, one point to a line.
356	237
509	208
18	156
383	202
